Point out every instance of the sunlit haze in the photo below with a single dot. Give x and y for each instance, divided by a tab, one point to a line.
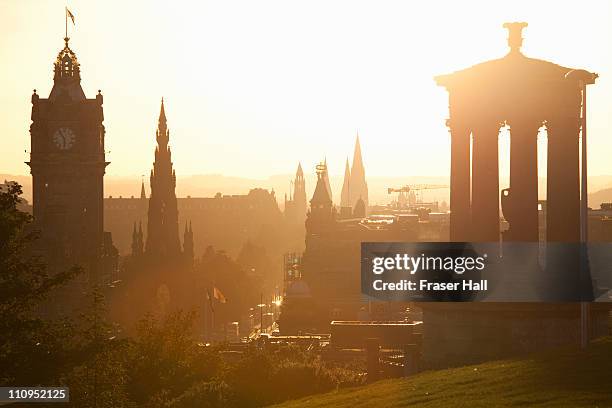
251	88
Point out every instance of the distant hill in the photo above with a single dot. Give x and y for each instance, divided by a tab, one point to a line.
567	378
601	196
207	185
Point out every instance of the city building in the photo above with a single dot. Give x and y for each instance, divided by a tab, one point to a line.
67	163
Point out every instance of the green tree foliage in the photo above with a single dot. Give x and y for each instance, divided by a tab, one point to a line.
97	367
165	359
30	348
163	365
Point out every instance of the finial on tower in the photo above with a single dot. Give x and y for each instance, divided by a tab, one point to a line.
515	35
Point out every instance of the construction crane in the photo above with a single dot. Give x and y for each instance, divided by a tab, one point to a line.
417	188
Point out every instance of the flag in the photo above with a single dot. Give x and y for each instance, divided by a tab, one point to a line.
218	295
69	14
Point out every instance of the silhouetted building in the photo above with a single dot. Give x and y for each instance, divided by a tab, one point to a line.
137	241
222	221
346	207
296	207
358	186
325	285
67	163
322	211
162	231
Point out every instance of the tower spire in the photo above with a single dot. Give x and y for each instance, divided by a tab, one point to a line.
162	113
345	197
359	186
163	230
321	194
300	202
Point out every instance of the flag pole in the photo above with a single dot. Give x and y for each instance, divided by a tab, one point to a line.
66	20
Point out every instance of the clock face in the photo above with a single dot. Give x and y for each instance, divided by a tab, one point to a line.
64	138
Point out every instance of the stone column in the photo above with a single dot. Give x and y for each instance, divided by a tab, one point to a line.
520	204
563	275
563	180
485	182
460	181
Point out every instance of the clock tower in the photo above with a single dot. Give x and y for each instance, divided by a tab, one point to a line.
67	164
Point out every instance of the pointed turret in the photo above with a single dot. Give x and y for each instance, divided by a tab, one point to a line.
143	195
345	196
188	242
137	243
321	215
299	196
359	186
321	198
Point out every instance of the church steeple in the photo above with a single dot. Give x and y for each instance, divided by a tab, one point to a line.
359	186
345	199
345	196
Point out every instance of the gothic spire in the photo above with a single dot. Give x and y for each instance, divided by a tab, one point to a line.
359	186
143	195
345	197
163	135
300	201
162	113
163	229
357	159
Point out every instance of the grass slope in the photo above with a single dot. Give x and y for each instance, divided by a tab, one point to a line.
566	378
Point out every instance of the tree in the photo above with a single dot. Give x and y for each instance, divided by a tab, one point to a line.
30	348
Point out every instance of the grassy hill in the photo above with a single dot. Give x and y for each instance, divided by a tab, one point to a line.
566	378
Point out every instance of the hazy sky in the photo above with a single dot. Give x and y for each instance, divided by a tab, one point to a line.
253	87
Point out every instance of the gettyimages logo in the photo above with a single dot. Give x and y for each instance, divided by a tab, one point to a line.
423	271
490	272
414	264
